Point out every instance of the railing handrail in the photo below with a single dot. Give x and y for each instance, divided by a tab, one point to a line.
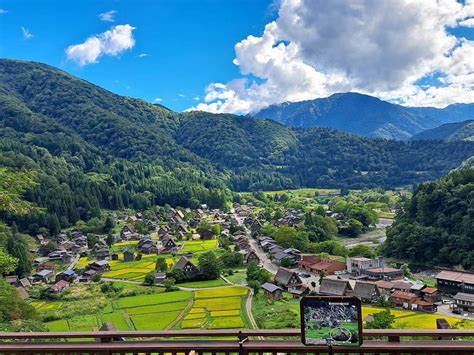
229	333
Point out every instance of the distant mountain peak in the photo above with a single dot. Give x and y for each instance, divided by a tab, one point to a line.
364	115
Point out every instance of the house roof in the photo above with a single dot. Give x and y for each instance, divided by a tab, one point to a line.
25	282
58	286
334	287
281	255
182	263
456	276
403	295
402	285
23	294
101	262
267	286
429	290
383	270
384	284
461	296
283	276
417	286
43	273
365	290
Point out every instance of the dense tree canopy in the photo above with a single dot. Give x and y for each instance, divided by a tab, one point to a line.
437	225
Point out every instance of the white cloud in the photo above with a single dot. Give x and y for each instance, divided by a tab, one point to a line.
157	100
196	98
3	11
384	48
108	16
181	95
26	33
142	55
112	43
467	23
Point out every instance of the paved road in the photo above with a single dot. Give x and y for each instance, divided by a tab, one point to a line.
74	262
264	259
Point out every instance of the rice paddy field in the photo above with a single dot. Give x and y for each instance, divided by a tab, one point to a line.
221	308
197	246
143	312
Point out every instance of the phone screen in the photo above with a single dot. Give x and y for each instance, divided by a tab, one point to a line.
331	321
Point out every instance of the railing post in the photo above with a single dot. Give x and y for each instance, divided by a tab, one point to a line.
242	339
393	338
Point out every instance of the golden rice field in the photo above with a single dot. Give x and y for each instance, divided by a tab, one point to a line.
197	246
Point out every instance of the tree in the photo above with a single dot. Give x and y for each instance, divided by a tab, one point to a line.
150	278
169	283
161	264
109	224
96	277
406	271
362	250
12	307
382	320
44	250
205	230
254	272
255	286
289	237
110	240
322	274
18	248
231	259
209	265
178	275
7	262
286	262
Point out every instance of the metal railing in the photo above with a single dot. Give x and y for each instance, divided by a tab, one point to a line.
286	341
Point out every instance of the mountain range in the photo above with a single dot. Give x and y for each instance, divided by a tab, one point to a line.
364	115
449	132
89	149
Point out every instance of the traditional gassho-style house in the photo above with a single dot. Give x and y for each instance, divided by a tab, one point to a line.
272	292
251	257
187	266
147	246
99	266
128	256
168	245
334	287
59	287
288	279
367	292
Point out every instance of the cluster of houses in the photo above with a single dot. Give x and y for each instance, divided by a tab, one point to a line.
366	279
461	286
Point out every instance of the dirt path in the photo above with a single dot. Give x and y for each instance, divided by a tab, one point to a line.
181	315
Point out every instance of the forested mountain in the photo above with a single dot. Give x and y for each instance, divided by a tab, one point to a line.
364	115
89	149
437	225
449	132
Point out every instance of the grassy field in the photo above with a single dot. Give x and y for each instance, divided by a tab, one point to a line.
134	270
197	246
217	309
239	277
305	192
142	312
203	284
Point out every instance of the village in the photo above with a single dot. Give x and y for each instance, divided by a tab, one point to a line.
165	251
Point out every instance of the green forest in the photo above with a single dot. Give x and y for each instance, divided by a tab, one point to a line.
436	227
87	149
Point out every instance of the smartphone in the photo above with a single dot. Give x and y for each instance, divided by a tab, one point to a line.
331	321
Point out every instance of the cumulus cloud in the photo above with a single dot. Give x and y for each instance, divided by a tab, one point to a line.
108	16
157	100
467	23
112	43
384	48
26	33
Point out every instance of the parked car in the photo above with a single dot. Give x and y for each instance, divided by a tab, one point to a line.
304	274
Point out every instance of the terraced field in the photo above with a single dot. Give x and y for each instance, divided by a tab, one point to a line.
219	308
134	270
197	246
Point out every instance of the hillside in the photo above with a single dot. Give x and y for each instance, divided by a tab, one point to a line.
436	227
92	149
449	132
364	115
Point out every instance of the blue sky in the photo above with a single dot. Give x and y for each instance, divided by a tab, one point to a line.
241	55
189	44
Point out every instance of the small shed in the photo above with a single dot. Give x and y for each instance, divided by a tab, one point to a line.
272	292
